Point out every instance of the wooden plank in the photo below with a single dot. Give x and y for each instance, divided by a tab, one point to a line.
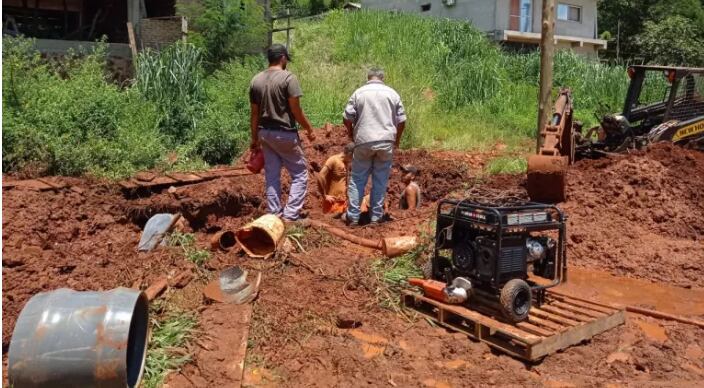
33	184
157	181
552	317
577	309
53	182
576	335
224	173
546	331
590	302
566	314
531	328
128	184
463	312
587	305
8	185
185	177
545	323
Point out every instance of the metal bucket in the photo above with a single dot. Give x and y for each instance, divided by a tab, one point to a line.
66	338
261	237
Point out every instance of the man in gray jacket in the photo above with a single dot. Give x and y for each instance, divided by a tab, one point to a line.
375	120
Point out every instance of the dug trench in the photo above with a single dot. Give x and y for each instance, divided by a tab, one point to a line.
84	237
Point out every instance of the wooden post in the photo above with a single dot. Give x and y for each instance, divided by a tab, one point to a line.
547	50
133	42
269	23
288	28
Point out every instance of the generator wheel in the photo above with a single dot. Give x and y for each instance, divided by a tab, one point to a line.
515	300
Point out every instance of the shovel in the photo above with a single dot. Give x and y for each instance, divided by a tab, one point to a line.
232	287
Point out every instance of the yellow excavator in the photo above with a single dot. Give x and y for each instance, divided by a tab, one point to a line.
663	103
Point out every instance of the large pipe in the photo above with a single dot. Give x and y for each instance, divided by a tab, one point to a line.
365	242
389	246
66	338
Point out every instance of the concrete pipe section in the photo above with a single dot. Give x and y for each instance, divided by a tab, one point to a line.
66	338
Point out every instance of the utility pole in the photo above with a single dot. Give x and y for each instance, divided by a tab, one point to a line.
547	50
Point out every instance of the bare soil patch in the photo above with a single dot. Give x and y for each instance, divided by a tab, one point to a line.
85	237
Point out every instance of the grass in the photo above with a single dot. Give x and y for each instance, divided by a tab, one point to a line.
392	275
187	243
460	90
166	353
295	235
506	165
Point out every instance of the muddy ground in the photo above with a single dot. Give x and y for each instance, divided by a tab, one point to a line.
637	216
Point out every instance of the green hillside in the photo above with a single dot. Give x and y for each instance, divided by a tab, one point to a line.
460	90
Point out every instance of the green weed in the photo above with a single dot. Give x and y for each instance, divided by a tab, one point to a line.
187	243
296	234
167	351
392	274
507	165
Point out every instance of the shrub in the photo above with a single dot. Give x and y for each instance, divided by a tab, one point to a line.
70	120
173	80
225	29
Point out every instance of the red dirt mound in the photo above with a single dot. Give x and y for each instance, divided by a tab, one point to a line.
438	175
640	214
637	215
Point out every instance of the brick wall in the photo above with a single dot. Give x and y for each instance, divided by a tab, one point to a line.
159	32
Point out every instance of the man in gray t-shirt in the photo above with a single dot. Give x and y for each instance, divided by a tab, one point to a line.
274	97
375	120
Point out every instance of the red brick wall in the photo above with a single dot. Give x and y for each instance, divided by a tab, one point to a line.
159	32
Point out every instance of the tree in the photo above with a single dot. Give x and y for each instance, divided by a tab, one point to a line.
675	40
626	21
225	29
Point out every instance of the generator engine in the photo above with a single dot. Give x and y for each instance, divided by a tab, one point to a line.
498	255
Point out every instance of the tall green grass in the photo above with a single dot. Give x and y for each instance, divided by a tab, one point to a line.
173	80
70	119
460	90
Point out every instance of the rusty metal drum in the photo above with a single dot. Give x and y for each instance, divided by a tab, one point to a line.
67	338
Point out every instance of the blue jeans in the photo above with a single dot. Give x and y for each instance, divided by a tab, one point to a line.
375	159
283	149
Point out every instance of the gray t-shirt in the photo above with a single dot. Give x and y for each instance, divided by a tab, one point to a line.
270	90
376	110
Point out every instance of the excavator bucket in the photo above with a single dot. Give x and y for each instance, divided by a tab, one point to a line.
547	178
547	171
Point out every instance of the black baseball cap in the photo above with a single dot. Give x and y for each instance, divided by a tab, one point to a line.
276	51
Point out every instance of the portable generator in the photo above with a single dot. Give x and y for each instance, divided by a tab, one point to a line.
500	257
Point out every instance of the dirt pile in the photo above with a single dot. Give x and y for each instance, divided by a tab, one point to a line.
439	174
661	188
640	214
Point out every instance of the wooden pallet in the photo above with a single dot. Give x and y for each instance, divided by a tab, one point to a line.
558	324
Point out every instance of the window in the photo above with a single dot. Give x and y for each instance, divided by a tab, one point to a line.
526	16
425	7
569	13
